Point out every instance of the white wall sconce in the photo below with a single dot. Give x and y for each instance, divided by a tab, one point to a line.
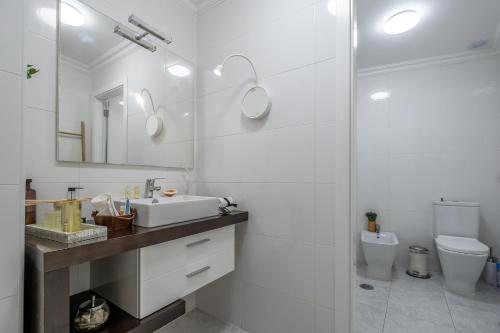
256	102
154	123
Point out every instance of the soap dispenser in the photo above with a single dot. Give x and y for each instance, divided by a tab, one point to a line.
71	212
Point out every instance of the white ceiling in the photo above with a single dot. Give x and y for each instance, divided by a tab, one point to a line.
446	27
89	42
199	4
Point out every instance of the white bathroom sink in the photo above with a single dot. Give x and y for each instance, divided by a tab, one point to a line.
172	210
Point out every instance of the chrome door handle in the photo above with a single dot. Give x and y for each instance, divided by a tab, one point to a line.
199	271
198	242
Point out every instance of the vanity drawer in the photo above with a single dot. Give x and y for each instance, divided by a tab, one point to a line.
163	290
160	259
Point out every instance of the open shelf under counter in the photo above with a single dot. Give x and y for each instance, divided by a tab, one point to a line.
121	322
47	290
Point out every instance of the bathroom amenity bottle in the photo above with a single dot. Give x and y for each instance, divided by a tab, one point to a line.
30	213
137	192
498	274
128	192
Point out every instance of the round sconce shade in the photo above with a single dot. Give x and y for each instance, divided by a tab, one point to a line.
256	103
154	125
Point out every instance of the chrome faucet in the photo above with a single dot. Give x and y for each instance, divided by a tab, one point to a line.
150	188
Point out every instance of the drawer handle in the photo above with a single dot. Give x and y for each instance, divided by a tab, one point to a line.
199	271
198	242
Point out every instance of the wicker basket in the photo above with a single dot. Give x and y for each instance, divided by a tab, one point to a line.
115	223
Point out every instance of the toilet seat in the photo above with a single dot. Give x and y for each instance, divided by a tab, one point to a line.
463	245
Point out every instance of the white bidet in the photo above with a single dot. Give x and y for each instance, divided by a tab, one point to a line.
380	251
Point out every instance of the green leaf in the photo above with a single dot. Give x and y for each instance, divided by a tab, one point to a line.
31	70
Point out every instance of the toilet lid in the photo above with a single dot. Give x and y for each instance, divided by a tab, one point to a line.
462	245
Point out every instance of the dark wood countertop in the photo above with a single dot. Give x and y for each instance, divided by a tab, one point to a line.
48	255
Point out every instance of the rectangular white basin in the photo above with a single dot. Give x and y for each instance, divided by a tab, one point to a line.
172	210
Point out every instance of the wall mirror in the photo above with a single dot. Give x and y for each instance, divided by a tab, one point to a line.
123	97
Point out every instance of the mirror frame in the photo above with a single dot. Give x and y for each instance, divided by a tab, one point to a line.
57	96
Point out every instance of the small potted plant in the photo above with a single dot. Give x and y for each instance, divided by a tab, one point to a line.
372	221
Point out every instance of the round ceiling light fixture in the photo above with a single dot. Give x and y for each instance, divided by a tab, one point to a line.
380	96
179	70
71	16
401	22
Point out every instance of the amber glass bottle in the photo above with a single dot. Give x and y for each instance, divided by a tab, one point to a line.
30	211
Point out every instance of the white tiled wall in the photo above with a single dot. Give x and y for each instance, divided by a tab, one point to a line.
50	178
436	136
281	169
11	183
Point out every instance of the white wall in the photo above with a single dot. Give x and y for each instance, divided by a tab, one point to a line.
281	169
51	178
12	75
436	136
75	92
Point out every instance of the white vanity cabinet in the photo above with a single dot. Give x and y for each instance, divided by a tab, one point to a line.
145	280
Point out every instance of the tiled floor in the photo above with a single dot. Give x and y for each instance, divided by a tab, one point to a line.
197	321
409	305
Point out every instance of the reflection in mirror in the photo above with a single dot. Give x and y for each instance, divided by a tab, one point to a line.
104	70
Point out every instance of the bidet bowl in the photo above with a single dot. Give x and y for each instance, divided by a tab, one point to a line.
380	252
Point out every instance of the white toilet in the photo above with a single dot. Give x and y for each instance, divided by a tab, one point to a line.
380	251
462	256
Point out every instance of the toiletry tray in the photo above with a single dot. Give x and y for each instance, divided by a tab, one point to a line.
88	231
115	223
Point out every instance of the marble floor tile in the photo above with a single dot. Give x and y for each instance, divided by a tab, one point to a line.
471	320
370	316
425	307
364	327
414	306
197	321
403	281
411	305
379	296
399	323
487	298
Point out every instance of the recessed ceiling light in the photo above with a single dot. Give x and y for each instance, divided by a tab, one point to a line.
179	70
71	16
401	22
380	96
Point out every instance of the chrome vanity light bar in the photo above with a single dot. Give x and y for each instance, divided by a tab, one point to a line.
144	26
135	39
